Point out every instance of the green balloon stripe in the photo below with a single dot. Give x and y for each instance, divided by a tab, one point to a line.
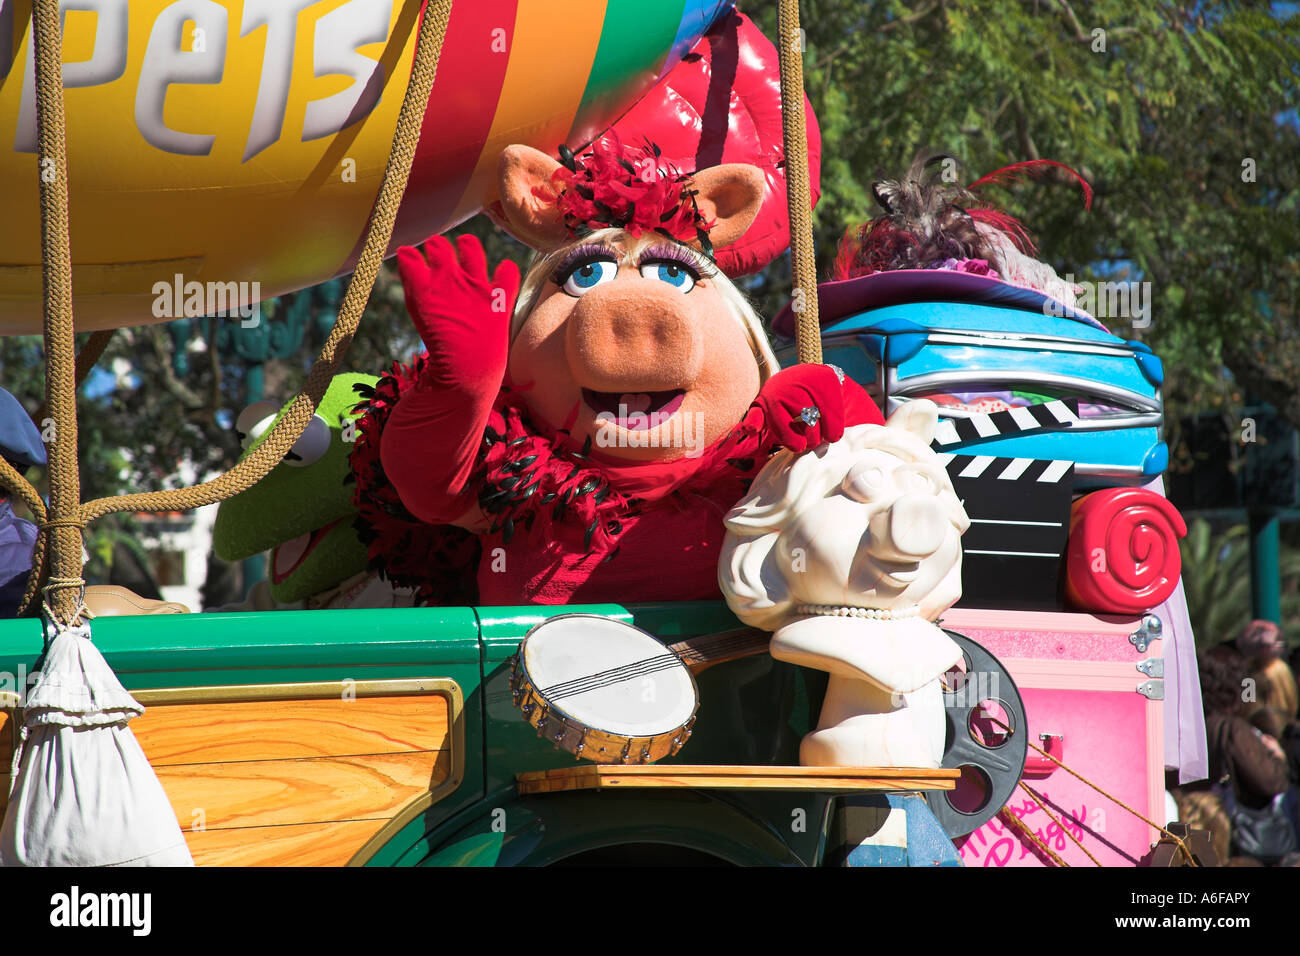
635	40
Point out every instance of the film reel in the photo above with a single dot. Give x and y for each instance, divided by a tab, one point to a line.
991	759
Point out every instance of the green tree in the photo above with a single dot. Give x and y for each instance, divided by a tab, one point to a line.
1181	115
1216	577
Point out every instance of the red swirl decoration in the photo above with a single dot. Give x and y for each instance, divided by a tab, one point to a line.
1122	556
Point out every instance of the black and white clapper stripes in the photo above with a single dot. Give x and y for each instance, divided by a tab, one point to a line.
977	427
1040	470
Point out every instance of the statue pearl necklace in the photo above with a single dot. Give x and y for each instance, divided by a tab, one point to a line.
870	613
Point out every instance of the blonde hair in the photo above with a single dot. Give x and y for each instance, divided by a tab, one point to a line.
624	245
1276	687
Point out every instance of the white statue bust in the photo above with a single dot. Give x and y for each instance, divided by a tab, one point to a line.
849	553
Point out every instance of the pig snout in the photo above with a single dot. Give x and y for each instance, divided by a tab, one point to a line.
620	337
913	527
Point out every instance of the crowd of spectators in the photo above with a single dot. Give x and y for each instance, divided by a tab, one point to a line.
1250	801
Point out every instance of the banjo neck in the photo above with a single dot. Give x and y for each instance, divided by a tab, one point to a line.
705	650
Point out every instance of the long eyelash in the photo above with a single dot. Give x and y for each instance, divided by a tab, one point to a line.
578	255
682	255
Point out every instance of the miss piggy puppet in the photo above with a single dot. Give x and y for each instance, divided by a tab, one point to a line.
590	440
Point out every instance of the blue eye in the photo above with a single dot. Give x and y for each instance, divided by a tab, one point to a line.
677	275
588	275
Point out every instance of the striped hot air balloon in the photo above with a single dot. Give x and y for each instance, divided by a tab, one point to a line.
239	144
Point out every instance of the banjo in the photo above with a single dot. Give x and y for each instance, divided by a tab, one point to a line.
610	692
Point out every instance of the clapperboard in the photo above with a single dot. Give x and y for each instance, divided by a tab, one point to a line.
979	427
1019	508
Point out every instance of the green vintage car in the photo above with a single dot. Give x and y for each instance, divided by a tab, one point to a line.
390	738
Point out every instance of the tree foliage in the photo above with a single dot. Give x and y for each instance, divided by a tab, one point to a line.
1216	578
1181	115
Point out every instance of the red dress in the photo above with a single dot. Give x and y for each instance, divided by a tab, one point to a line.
564	526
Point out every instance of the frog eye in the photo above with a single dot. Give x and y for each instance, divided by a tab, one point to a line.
254	420
587	275
311	444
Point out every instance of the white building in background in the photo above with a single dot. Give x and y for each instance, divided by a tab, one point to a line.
178	544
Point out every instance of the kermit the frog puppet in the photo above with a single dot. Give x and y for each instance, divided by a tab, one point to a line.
302	512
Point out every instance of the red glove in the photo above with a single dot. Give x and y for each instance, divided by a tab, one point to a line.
463	317
805	405
431	441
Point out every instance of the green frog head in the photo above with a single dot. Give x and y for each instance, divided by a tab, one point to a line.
302	511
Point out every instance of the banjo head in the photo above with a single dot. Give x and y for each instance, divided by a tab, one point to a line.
603	689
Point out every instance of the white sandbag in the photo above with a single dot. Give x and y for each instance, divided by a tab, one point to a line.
84	792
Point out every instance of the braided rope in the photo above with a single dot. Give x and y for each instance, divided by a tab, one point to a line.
281	438
91	352
1030	835
1182	845
39	573
1178	841
795	135
86	360
12	480
56	291
66	515
1060	822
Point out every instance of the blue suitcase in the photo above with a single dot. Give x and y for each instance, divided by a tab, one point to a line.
894	334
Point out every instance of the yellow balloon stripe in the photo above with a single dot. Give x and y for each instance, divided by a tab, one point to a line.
226	151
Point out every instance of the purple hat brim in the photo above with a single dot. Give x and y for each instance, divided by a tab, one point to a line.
846	297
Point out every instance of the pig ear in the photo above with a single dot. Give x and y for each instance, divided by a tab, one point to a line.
523	213
918	416
729	195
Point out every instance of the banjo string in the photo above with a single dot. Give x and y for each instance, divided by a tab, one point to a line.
626	672
614	675
605	678
703	651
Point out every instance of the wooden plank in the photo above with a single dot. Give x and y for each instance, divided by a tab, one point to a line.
266	793
309	844
823	784
175	734
725	777
746	770
793	782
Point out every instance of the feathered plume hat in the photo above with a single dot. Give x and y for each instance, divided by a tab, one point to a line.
932	222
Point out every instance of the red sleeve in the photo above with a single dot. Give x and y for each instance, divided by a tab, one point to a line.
859	409
431	444
431	441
